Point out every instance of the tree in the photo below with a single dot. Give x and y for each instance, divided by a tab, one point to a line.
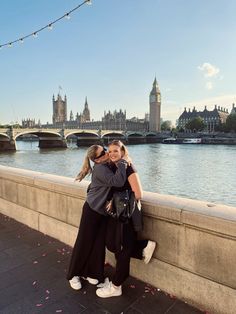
166	125
196	124
231	122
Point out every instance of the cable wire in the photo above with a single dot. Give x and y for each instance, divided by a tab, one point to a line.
49	25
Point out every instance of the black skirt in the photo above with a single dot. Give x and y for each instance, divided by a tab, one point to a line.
88	255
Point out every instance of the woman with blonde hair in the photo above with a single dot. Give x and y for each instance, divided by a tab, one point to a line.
88	255
121	237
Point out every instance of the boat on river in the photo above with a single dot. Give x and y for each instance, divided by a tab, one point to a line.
192	141
173	140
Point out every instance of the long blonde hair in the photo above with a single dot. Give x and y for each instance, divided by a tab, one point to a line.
86	167
123	148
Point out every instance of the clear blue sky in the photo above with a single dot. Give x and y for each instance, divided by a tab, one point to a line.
111	51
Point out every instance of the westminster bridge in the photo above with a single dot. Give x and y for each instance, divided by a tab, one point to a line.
58	138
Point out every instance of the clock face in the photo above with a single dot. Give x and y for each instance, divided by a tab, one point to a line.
152	98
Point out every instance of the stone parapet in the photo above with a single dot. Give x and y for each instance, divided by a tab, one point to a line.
196	254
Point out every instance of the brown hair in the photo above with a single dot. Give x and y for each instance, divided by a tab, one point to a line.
86	167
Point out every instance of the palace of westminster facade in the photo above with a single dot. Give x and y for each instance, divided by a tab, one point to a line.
117	120
110	121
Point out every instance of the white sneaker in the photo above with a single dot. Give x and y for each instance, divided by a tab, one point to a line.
92	281
103	284
75	283
109	291
148	251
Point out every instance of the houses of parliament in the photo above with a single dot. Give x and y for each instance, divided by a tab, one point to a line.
115	120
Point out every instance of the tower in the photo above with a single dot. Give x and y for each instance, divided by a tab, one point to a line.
155	108
86	111
59	109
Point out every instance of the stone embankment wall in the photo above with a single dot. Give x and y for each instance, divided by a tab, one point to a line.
196	254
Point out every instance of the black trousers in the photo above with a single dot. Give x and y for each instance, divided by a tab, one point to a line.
121	239
88	255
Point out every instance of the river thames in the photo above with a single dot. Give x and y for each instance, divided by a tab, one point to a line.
203	172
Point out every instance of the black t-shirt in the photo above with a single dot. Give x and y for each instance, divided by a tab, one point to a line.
129	170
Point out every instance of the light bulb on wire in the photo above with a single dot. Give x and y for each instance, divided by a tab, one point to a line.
49	26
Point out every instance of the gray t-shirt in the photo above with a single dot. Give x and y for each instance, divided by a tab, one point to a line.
102	180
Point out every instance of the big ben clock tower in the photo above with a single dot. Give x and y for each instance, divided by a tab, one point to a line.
155	108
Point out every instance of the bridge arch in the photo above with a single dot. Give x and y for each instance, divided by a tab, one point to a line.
6	143
82	134
4	137
110	136
40	134
85	138
47	139
136	138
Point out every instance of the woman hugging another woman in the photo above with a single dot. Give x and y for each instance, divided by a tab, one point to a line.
121	238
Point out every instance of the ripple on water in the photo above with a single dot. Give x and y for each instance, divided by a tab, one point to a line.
203	172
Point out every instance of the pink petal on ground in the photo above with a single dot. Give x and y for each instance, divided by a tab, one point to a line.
38	244
58	311
58	261
34	283
39	304
44	254
172	296
47	298
35	262
47	291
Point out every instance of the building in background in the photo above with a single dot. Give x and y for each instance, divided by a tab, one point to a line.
30	123
211	118
86	112
59	110
114	121
233	110
155	108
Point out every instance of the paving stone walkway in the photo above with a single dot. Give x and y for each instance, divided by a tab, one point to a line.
33	268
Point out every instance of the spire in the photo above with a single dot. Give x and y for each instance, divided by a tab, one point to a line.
155	87
86	103
155	82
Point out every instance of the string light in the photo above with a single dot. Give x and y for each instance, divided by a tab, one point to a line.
67	16
48	26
